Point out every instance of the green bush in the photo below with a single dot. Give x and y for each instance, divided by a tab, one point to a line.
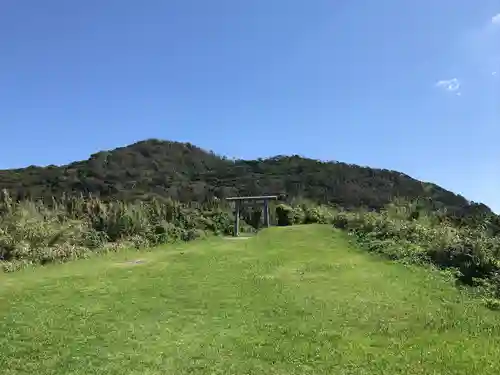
400	234
492	303
319	215
75	227
298	215
284	215
288	215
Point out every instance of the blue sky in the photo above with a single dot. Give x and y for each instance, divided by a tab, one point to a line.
407	85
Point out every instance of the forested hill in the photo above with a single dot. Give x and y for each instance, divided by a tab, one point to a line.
187	173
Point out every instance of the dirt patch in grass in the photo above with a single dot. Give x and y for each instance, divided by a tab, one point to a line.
133	262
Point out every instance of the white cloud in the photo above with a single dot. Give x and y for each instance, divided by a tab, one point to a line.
452	85
496	19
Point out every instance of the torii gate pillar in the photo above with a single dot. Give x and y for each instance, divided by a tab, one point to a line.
237	205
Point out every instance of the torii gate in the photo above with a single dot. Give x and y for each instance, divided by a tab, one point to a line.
237	204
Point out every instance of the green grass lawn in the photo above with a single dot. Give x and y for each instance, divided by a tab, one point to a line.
295	300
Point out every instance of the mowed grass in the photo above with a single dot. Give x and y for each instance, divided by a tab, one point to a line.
296	300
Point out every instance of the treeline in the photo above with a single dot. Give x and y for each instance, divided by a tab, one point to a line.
186	173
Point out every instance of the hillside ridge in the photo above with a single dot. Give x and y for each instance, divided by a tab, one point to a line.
185	172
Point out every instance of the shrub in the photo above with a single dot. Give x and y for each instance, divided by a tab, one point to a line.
75	227
492	303
284	215
400	234
298	215
318	214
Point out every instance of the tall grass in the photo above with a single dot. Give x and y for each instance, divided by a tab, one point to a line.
408	234
73	227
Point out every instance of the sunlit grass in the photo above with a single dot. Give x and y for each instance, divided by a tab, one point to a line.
296	300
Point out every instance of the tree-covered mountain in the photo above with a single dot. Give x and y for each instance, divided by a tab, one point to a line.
187	173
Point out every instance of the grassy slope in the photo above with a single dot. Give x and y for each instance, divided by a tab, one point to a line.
290	301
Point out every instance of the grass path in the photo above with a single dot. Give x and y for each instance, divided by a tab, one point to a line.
289	301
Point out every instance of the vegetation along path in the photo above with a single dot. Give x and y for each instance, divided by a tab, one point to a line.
296	300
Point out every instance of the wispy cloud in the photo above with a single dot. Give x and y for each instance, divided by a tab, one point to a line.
451	85
496	19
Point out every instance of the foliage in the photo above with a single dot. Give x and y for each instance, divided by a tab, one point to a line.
424	238
284	215
33	233
288	215
182	172
318	215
